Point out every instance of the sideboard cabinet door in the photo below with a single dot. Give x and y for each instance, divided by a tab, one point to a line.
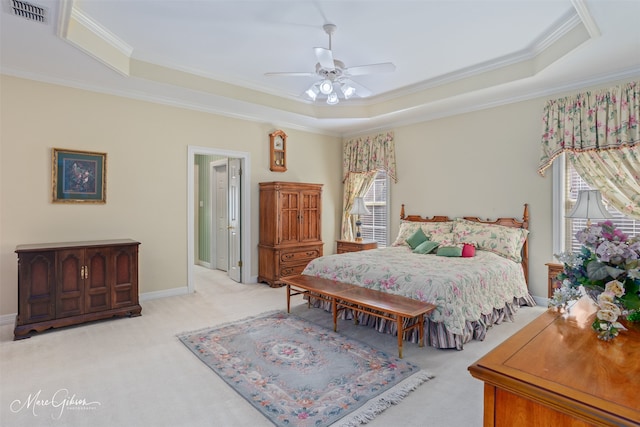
36	287
124	291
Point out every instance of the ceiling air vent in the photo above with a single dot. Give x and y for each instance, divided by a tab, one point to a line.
28	11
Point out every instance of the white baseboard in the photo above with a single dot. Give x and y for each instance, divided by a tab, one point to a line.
8	319
164	294
543	302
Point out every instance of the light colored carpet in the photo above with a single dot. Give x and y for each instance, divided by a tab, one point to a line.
141	375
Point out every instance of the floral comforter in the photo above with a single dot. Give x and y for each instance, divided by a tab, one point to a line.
463	289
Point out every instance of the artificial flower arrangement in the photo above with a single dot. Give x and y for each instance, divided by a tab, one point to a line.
607	268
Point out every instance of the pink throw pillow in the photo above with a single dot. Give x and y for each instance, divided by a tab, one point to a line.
468	251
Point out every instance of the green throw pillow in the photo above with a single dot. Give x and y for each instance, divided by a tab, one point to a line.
425	247
449	251
416	238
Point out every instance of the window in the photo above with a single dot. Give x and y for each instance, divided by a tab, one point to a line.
572	185
375	226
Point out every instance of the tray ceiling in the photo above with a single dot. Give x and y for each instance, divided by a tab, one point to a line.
450	56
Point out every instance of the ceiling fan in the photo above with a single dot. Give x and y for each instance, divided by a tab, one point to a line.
335	82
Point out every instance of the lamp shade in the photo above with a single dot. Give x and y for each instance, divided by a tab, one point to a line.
589	206
359	208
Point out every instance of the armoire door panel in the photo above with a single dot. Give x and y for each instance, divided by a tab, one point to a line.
310	212
289	216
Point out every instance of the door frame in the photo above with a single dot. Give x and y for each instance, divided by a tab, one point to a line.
245	219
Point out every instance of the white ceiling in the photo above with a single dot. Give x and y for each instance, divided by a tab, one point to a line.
450	56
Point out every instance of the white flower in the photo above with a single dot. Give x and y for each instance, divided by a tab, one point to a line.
609	306
615	287
619	326
606	296
607	315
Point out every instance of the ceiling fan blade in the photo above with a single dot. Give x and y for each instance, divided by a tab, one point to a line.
325	58
385	67
361	91
292	73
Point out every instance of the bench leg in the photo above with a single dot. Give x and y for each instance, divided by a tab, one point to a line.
288	298
421	329
400	335
334	310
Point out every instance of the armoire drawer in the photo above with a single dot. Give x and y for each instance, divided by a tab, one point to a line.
297	256
292	270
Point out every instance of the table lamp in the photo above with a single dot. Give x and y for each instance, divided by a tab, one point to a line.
589	206
359	208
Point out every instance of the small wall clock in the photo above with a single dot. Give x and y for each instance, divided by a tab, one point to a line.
278	151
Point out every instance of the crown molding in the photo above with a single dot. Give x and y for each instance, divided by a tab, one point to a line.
101	32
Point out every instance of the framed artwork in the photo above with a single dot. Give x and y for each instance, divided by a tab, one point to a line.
79	176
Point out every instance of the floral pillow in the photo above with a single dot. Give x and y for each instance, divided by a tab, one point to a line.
504	241
444	239
430	229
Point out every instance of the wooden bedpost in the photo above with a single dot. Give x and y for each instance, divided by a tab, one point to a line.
402	212
525	247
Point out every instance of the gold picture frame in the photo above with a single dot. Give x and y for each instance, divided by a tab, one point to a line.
78	176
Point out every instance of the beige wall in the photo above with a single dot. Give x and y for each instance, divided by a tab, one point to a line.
146	146
479	164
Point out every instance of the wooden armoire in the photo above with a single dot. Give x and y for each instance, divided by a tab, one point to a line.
290	231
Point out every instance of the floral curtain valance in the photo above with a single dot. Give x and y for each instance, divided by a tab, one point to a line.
605	120
370	153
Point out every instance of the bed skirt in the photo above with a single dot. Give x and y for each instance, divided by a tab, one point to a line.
435	333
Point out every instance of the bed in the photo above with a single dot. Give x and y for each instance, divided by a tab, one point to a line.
471	292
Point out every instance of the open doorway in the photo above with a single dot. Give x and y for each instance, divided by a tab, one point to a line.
238	208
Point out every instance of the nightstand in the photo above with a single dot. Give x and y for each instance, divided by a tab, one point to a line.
553	270
349	246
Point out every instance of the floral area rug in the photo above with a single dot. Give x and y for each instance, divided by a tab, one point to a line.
297	373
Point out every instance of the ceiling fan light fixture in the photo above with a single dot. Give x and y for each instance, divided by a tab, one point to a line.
348	91
326	87
332	99
312	92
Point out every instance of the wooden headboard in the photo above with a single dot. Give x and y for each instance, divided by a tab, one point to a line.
507	222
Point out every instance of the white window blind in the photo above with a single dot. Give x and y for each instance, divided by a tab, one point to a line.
574	183
375	225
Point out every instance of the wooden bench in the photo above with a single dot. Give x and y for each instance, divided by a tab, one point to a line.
386	306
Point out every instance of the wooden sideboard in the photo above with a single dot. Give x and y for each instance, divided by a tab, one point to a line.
556	372
62	284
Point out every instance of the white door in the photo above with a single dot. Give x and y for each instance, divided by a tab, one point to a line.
235	249
219	214
196	211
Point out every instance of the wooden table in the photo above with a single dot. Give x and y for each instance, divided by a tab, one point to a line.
386	306
556	372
